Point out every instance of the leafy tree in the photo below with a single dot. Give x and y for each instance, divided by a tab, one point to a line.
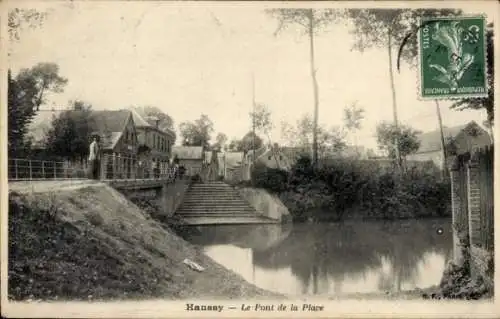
197	133
385	28
249	142
165	120
22	19
353	115
261	118
488	102
70	134
220	142
406	136
310	21
329	141
26	92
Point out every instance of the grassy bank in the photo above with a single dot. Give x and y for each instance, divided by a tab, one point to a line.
92	244
355	189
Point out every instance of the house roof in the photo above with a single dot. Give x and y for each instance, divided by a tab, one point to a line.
141	119
109	125
431	141
188	152
233	159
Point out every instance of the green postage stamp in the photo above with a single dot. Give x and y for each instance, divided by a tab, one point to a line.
452	57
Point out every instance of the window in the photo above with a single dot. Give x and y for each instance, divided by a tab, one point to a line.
269	157
281	157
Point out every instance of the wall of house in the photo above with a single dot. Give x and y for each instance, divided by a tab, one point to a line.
270	161
436	157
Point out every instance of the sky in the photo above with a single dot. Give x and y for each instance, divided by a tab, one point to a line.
198	59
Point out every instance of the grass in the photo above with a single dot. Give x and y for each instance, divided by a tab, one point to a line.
93	244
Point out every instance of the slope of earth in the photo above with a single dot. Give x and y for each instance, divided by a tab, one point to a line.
89	242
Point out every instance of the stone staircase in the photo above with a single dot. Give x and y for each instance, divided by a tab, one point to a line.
217	203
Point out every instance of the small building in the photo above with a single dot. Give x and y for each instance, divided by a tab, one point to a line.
191	157
118	142
271	157
458	140
155	143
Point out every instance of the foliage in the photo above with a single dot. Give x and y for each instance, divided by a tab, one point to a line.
165	120
358	188
330	140
26	92
301	17
261	118
488	102
220	142
353	115
21	19
381	27
274	180
69	136
197	133
246	144
407	139
310	21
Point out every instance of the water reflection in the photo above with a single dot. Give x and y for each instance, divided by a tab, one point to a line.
332	258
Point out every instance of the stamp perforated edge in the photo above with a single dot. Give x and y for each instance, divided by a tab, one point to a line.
420	97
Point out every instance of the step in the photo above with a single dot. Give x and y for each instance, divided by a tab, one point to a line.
226	220
213	197
214	201
214	215
216	204
219	208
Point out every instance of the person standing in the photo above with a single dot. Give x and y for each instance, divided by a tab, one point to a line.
94	157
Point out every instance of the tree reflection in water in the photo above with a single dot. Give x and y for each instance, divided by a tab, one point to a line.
324	258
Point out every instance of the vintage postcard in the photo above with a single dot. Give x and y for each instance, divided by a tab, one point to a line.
248	159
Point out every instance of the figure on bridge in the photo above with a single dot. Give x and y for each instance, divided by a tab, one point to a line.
94	156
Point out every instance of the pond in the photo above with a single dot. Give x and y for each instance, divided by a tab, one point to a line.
331	258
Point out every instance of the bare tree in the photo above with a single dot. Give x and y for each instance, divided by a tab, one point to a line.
310	21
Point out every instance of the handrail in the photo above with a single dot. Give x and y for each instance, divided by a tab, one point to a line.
112	168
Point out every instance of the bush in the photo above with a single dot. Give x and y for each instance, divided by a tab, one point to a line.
368	189
273	180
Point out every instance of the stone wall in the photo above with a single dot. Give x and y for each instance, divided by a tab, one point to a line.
472	206
266	204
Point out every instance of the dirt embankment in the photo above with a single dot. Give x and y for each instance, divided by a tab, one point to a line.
91	243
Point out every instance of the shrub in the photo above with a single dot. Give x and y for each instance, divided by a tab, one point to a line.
274	180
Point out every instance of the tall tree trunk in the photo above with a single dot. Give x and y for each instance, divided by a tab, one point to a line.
394	103
444	171
315	87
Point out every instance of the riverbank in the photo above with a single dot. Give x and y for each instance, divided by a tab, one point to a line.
91	243
355	190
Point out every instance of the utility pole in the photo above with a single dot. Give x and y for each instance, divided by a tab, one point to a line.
443	145
253	117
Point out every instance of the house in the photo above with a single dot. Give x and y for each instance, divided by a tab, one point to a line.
271	157
118	142
458	140
191	157
155	143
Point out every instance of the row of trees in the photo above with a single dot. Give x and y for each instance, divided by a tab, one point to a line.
381	28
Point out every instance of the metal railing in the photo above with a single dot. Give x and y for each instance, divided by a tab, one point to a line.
111	168
29	169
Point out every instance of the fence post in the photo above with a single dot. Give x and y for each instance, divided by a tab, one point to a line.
43	170
15	165
474	200
31	170
459	215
